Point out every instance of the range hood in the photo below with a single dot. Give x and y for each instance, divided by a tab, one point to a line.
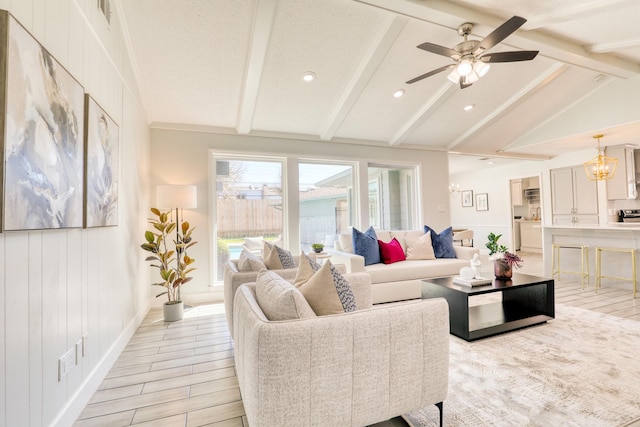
532	194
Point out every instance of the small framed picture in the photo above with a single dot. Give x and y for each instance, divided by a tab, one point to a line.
482	202
467	198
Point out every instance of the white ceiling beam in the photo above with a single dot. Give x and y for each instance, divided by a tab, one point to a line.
430	107
264	16
573	12
372	59
580	117
611	46
534	85
447	14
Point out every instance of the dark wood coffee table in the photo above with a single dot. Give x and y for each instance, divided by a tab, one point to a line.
526	301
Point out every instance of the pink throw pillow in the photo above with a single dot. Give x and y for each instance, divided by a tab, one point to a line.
391	252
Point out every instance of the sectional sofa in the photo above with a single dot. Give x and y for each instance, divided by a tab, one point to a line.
400	280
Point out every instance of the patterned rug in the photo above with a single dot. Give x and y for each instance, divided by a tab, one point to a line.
580	369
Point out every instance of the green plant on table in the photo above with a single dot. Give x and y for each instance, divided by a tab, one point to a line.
171	260
498	251
493	246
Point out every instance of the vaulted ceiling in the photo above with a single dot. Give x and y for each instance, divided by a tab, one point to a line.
236	66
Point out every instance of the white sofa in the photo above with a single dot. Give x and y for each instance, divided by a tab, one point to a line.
233	278
400	280
350	369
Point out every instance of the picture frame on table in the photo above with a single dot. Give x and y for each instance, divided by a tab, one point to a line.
482	202
467	198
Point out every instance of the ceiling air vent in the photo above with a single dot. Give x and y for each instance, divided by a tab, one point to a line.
105	8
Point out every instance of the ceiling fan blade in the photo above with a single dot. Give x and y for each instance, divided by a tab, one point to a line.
500	33
437	49
522	55
430	73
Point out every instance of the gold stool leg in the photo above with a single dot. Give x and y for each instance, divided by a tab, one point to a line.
582	267
554	254
598	268
633	269
586	251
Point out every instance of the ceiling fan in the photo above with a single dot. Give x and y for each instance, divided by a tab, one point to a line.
470	61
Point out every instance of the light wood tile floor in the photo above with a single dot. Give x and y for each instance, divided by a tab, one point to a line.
182	374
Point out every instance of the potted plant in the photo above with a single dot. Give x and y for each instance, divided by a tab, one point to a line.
317	247
503	260
171	260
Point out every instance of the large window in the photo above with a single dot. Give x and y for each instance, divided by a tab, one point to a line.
392	196
251	200
249	203
326	191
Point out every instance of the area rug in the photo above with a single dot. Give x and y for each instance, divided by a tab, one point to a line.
580	369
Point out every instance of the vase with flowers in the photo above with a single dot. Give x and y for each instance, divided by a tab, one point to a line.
503	261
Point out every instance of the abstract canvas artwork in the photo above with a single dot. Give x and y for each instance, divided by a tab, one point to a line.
101	163
43	147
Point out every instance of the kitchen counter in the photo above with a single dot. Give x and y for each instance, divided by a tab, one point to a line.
609	226
614	235
530	235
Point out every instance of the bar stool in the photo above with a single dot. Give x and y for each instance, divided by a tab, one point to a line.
599	274
584	261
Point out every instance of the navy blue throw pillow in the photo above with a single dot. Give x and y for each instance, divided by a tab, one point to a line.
442	243
366	245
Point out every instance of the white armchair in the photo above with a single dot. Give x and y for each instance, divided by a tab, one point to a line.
350	369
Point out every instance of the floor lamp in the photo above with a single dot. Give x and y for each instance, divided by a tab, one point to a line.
177	197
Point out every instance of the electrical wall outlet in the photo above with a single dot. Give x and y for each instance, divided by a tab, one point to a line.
66	363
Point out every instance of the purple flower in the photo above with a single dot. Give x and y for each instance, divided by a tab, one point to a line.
512	259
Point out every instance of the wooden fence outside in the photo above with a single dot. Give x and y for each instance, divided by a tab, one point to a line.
249	217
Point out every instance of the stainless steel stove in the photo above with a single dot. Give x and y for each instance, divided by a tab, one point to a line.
629	215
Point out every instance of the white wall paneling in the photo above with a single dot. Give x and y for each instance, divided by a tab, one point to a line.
60	285
35	307
17	331
3	327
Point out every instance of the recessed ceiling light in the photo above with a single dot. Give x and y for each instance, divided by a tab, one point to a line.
308	76
469	107
490	162
398	93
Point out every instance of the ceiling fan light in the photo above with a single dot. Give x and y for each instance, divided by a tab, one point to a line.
454	76
465	66
471	78
481	68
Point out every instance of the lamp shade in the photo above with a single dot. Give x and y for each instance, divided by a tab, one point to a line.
176	196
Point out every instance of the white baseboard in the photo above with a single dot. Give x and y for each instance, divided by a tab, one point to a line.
76	403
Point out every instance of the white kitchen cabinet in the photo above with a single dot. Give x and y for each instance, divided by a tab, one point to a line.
623	184
516	192
531	236
574	198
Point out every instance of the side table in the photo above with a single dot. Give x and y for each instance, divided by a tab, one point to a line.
322	256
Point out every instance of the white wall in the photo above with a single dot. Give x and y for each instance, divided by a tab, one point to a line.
59	285
182	157
495	182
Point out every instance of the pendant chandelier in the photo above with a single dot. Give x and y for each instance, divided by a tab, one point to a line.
600	167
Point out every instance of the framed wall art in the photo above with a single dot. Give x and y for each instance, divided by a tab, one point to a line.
101	167
42	135
467	198
482	202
